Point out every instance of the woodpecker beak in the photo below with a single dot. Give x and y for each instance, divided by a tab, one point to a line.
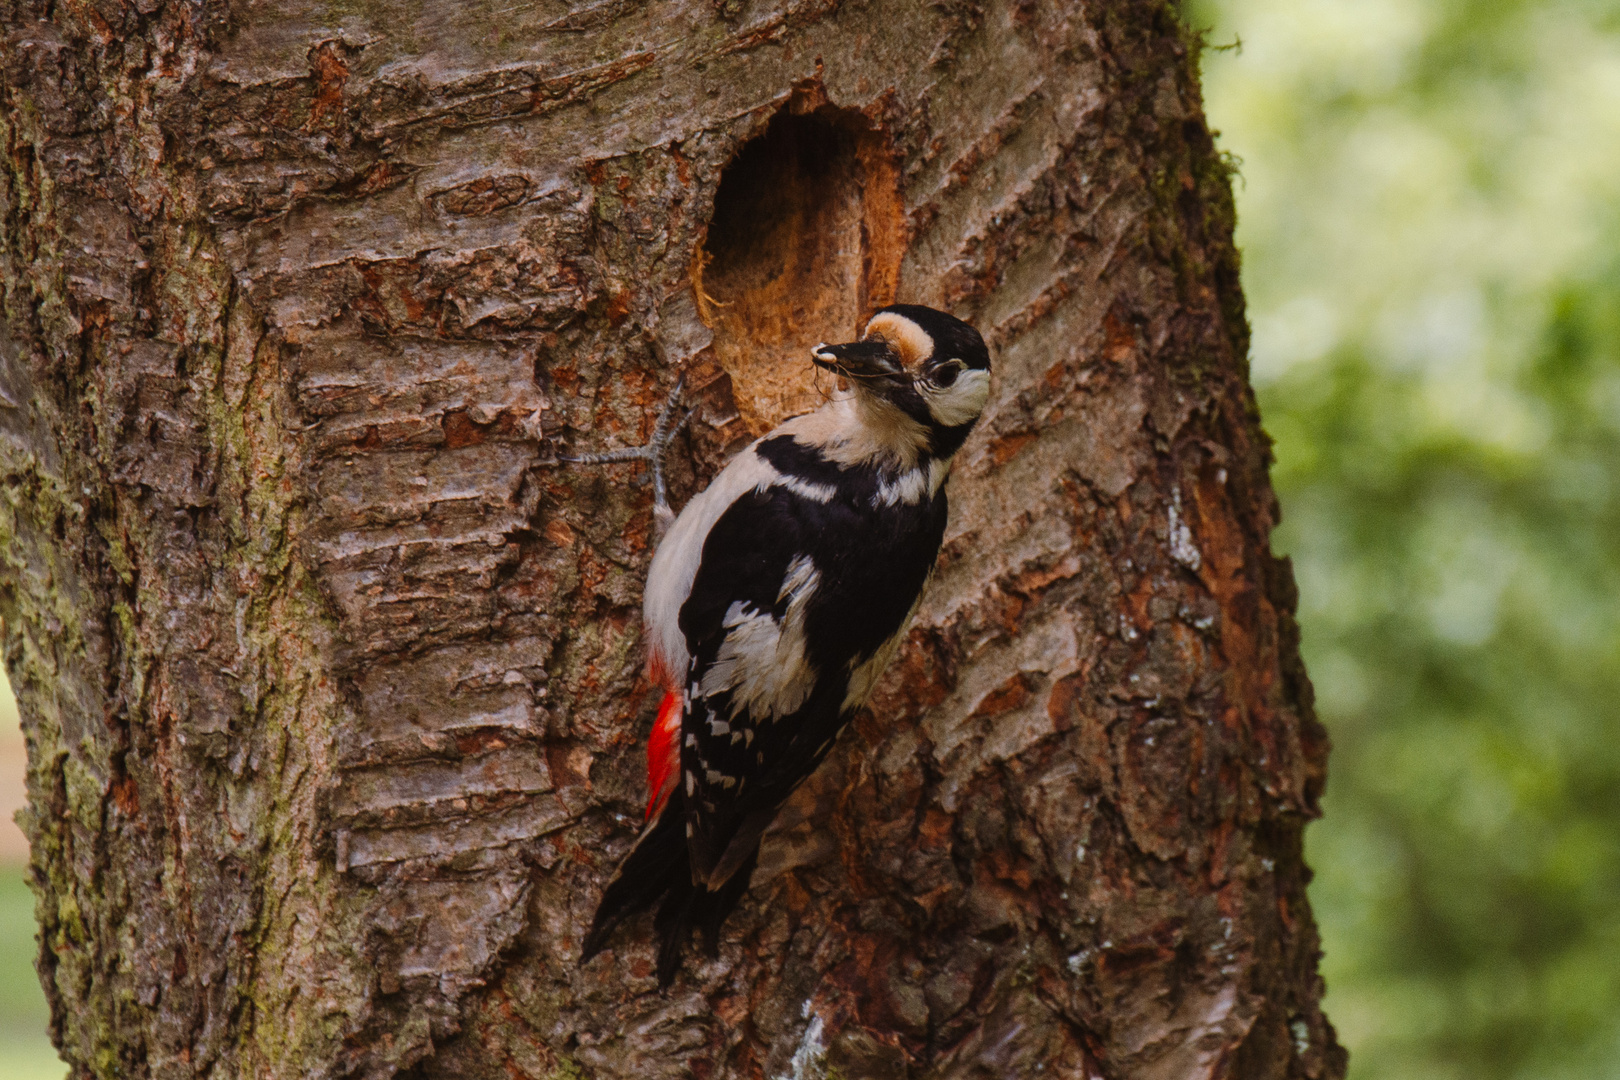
862	361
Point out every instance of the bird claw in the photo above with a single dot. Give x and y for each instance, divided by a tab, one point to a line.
665	428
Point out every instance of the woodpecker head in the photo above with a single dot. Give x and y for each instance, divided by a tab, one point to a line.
924	365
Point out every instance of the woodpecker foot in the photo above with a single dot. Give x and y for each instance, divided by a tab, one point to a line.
671	418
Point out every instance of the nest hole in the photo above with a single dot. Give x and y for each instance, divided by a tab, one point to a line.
805	243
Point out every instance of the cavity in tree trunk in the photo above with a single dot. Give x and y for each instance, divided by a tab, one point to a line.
332	680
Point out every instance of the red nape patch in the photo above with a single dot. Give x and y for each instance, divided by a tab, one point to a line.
664	754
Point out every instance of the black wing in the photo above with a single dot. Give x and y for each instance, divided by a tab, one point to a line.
743	752
736	604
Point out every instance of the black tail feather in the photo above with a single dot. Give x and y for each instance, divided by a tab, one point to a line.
654	865
673	926
689	907
658	867
718	905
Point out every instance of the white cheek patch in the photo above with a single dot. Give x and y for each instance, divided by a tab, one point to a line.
962	401
762	661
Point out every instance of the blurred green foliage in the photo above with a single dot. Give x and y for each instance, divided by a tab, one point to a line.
1430	220
25	1050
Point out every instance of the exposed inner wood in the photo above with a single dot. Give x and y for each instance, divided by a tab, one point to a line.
805	243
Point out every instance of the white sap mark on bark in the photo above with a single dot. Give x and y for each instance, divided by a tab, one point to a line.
1182	548
809	1061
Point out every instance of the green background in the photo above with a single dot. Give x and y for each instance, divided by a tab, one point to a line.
1429	200
25	1051
1429	210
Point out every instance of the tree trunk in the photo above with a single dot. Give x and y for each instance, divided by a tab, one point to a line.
332	678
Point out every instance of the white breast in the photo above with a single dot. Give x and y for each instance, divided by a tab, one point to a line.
675	564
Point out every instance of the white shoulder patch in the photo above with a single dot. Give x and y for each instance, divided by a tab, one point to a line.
762	661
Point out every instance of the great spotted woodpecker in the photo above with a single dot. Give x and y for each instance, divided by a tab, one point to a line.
775	601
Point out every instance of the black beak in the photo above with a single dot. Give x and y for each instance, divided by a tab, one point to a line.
859	360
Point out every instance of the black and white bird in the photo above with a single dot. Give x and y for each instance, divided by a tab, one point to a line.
775	601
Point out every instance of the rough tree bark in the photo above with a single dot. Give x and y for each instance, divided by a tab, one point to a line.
332	682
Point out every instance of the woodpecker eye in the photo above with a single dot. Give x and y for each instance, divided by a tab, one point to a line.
945	375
